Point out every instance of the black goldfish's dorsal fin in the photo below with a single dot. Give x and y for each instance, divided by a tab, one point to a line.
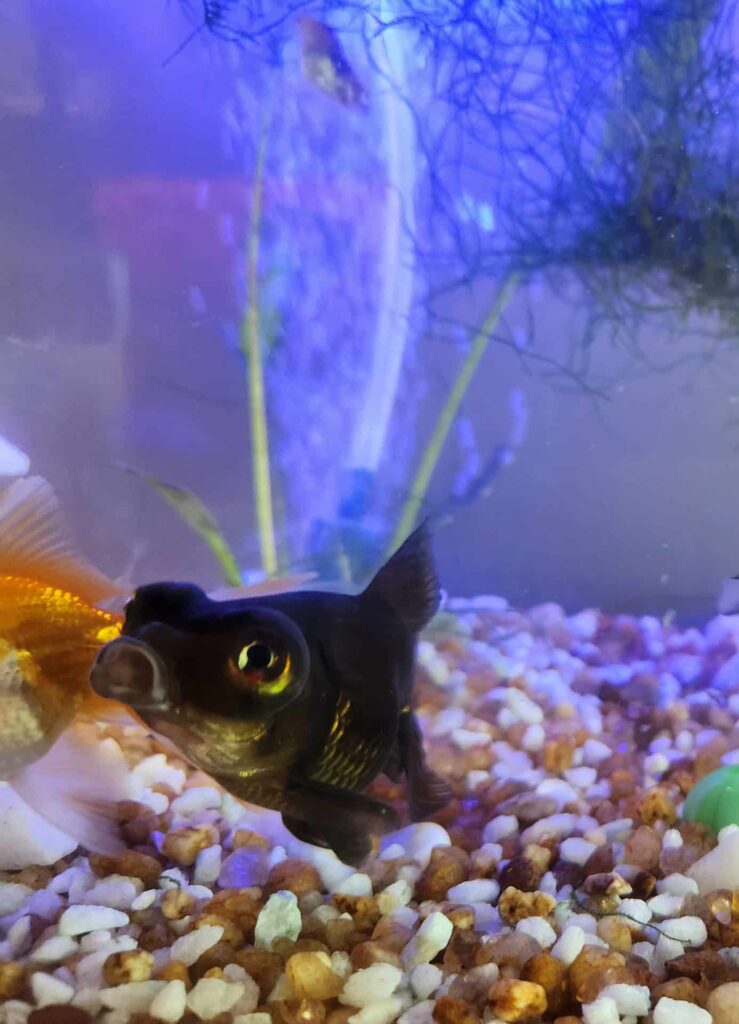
408	581
164	602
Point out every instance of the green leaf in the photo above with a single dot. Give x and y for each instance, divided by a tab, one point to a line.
192	511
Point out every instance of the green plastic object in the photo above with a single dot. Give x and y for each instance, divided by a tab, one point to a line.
714	801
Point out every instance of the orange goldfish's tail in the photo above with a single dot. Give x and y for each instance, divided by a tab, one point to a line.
76	786
35	542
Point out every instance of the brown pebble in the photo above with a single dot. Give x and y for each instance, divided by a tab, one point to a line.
514	905
175	970
684	989
232	934
511	950
655	805
558	755
367	953
703	965
264	967
302	1011
723	1004
616	933
549	972
12	976
293	875
593	969
135	865
643	848
130	965
176	904
520	873
217	956
184	844
515	1000
341	1015
59	1014
448	1010
241	837
447	866
312	977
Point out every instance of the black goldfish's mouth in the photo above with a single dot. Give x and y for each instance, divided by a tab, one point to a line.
132	672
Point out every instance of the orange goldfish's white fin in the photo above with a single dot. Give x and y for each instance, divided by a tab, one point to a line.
35	542
13	462
102	711
76	786
276	585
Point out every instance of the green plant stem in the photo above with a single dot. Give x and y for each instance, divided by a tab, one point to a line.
448	413
251	348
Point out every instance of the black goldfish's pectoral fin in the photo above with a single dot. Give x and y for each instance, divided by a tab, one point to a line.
346	821
304	831
427	791
408	581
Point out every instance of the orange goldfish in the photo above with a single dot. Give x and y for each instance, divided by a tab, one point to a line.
50	629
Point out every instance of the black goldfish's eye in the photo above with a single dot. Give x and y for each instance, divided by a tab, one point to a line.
255	657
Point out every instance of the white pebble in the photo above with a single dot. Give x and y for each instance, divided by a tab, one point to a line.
433	936
144	900
538	928
691	931
581	778
170	1004
420	1013
357	884
53	950
207	864
80	919
594	752
191	946
397	894
630	1000
425	979
199	798
132	996
672	840
154	769
211	996
570	944
116	892
533	738
393	852
12	897
466	739
477	890
381	1012
251	1018
279	917
678	1011
656	764
678	885
499	827
602	1011
577	851
719	868
637	910
418	840
47	989
370	985
666	905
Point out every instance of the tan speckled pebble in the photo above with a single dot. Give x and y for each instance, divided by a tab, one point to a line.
723	1004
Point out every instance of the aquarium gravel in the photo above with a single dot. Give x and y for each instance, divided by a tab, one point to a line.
561	884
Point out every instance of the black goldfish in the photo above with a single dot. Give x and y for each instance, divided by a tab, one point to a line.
295	701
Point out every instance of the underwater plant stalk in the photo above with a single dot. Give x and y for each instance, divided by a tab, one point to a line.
449	411
251	348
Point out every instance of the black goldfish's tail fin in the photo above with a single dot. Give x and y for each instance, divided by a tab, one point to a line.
408	582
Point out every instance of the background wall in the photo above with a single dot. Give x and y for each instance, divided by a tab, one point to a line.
627	502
